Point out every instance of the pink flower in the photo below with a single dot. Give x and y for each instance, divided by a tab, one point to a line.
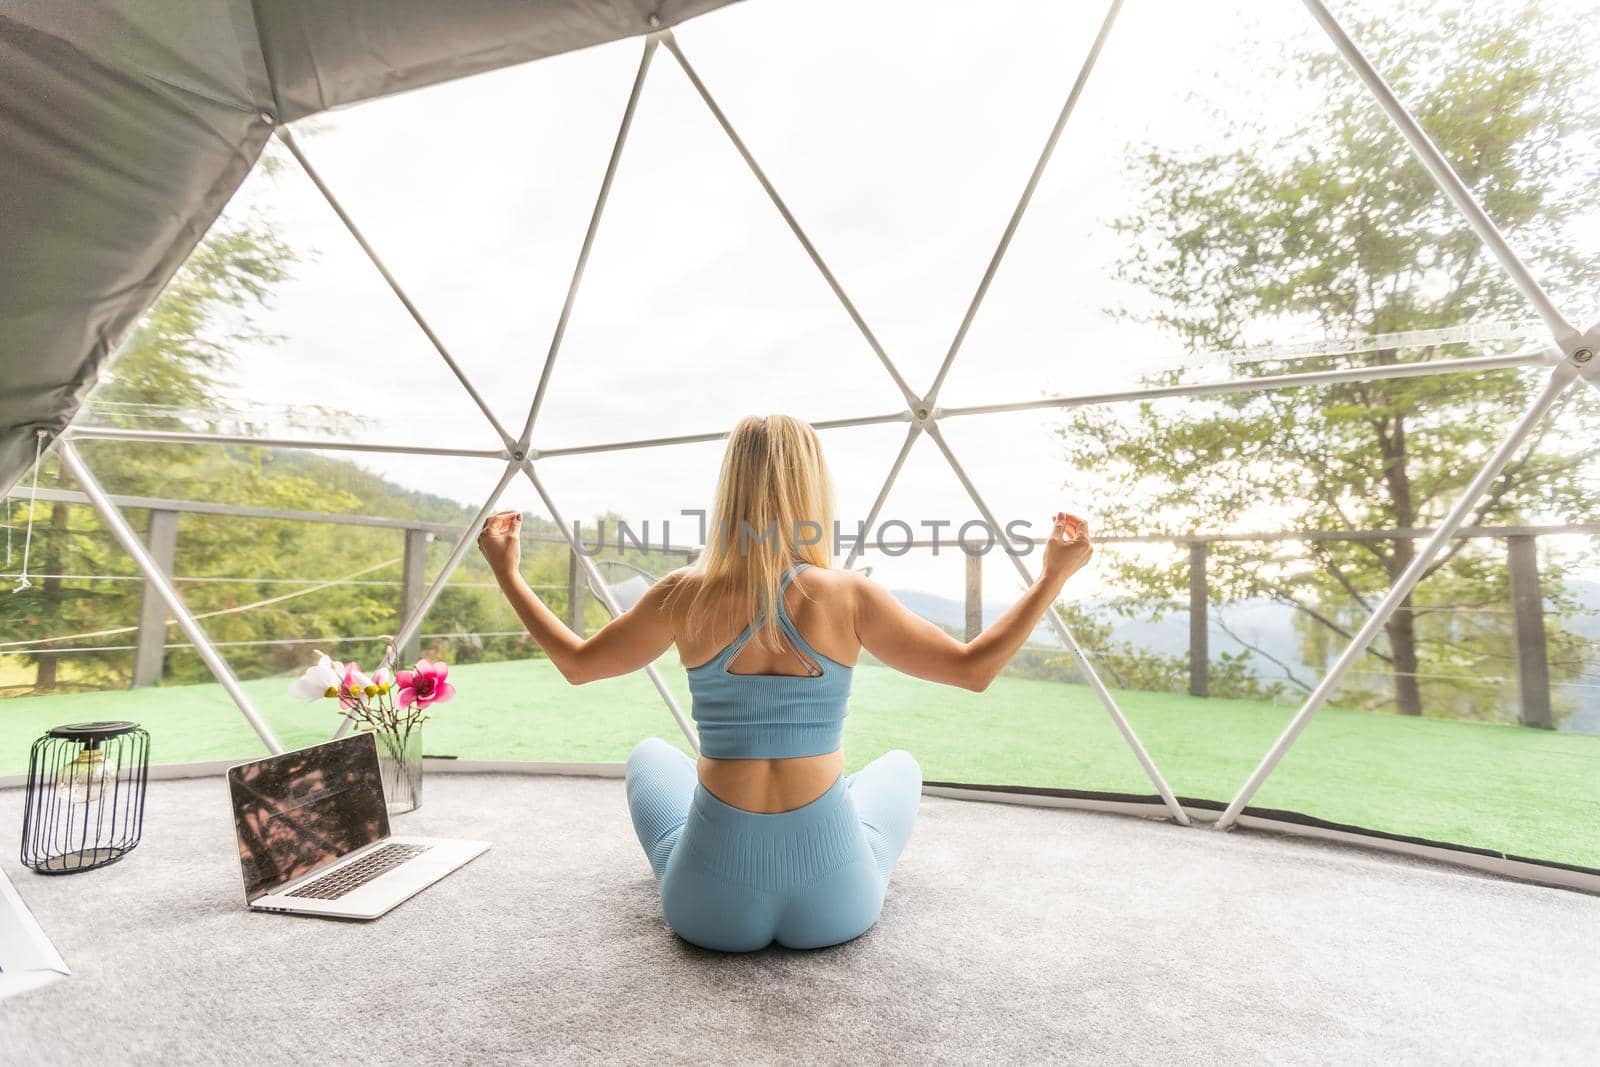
352	682
423	686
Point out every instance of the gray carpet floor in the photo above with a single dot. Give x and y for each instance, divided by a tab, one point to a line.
1010	935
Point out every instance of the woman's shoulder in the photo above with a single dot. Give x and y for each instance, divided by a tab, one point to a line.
673	588
833	584
679	583
679	576
823	577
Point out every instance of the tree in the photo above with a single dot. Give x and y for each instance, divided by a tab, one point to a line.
1128	666
1334	227
175	371
175	361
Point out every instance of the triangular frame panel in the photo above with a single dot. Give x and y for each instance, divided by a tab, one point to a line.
1572	359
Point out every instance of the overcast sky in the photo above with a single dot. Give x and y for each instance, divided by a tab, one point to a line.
900	134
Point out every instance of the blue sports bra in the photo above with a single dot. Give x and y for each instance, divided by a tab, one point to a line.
770	716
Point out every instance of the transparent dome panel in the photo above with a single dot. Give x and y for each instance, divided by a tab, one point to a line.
321	480
512	703
1518	128
70	631
651	495
1037	724
860	460
1457	726
1294	527
902	154
278	324
278	554
1229	201
477	194
698	303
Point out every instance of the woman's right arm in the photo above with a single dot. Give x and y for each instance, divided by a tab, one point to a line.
913	645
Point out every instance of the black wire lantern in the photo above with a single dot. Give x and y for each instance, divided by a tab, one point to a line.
85	798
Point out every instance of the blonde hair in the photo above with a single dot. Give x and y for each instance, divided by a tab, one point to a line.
773	508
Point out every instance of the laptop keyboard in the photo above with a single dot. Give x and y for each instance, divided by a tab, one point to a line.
355	875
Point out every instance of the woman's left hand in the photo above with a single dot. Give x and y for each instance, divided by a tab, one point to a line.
501	542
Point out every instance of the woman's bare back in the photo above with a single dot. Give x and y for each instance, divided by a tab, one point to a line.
821	604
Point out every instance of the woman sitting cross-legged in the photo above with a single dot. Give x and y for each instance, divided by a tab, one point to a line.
764	838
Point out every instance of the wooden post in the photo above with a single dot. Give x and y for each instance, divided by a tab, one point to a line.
55	553
577	588
1527	612
974	595
150	646
413	576
1199	638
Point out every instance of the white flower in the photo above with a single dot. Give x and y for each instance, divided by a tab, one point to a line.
318	680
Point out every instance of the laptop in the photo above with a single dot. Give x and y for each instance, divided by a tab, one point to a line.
314	835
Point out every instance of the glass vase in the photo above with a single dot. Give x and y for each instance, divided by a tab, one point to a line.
400	766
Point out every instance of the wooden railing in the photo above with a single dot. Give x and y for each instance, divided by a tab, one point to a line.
1526	594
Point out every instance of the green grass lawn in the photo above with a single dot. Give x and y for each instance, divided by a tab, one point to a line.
1526	792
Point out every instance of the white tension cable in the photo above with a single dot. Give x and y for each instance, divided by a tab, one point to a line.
239	610
33	496
1498	330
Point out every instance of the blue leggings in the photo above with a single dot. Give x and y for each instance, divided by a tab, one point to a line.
735	880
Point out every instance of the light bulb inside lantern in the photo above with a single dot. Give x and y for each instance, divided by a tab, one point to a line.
86	778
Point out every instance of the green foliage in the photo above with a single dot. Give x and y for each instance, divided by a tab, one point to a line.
1331	227
181	350
172	373
1127	666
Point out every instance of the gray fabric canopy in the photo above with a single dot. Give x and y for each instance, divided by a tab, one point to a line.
126	126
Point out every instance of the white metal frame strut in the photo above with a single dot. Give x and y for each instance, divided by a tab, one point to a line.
524	453
1576	359
921	410
67	453
1571	357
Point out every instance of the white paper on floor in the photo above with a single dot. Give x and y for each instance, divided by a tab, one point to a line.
27	958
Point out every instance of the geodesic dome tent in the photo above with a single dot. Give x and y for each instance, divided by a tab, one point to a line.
125	130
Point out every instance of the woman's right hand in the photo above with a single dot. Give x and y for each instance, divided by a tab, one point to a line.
1067	548
501	542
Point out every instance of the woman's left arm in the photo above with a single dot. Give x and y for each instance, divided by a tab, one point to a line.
625	644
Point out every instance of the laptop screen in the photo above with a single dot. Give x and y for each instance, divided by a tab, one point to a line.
302	810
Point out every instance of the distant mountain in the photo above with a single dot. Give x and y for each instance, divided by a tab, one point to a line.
1264	623
1261	622
1587	621
952	614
